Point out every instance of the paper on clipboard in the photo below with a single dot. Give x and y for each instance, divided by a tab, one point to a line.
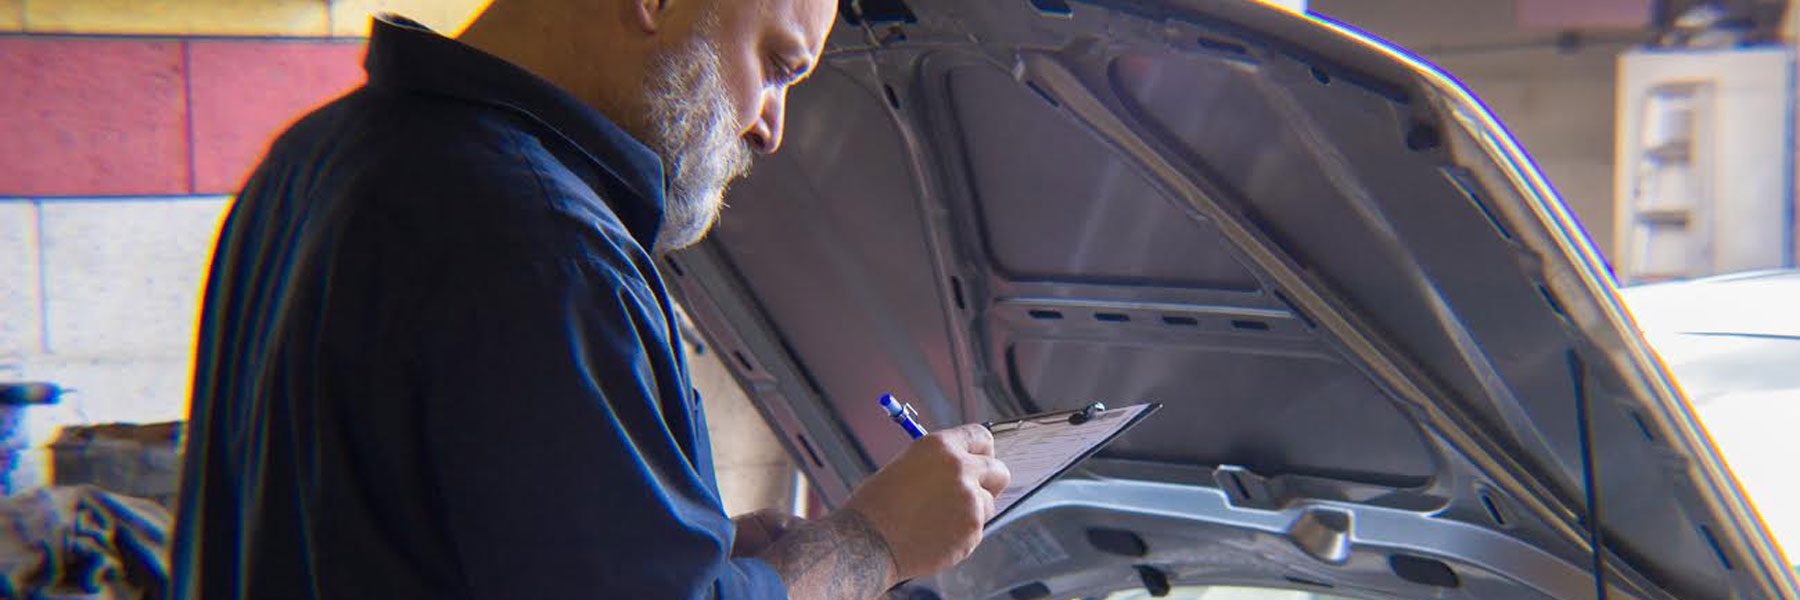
1038	448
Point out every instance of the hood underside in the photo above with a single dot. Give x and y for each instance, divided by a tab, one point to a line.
1372	325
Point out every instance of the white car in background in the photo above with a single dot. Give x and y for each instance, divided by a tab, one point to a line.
1733	344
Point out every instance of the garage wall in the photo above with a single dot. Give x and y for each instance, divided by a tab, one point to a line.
1790	31
101	297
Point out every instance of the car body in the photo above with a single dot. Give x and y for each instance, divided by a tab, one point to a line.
1390	361
1733	344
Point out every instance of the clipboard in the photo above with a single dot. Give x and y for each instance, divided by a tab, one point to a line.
1045	446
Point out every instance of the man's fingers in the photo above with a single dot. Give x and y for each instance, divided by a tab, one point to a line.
974	439
786	520
752	531
988	506
767	522
994	475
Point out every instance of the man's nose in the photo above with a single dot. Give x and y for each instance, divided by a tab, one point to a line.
765	134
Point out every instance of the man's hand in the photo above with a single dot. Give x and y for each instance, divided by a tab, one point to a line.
931	503
755	531
920	514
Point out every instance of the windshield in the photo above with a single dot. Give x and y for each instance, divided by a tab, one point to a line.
1224	592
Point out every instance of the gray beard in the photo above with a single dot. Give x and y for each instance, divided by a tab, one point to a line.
690	125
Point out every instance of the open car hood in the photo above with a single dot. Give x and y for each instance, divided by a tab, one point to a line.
1372	324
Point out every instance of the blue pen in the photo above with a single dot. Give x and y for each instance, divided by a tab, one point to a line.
902	414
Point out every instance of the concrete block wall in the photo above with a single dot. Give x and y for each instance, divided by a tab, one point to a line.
21	320
754	469
125	125
101	296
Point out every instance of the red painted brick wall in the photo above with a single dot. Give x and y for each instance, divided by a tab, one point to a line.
92	117
84	116
244	93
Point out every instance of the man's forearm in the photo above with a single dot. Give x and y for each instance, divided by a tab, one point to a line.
840	557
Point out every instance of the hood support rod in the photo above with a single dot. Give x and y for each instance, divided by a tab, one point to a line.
1589	478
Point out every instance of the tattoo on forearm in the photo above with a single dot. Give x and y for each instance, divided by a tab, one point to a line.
840	557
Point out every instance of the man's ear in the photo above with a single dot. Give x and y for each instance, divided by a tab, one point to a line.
649	14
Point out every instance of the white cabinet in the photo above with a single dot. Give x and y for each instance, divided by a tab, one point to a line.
1704	163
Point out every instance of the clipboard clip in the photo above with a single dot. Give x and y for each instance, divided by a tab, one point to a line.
1087	413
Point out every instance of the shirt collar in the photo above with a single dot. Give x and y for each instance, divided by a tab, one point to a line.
404	54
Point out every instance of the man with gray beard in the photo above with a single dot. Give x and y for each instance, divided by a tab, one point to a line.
436	359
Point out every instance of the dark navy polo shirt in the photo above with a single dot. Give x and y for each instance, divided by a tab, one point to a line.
435	359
